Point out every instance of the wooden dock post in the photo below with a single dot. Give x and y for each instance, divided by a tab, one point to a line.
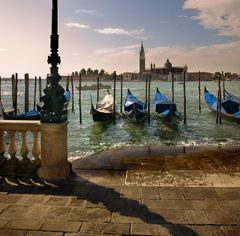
97	88
149	87
72	86
114	96
219	115
146	90
172	87
184	95
223	79
220	100
40	87
15	93
26	78
67	82
35	93
80	97
199	91
0	88
121	101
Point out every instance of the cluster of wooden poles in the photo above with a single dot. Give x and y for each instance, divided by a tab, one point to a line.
219	98
14	80
147	95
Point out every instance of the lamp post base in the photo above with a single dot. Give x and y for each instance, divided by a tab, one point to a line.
54	164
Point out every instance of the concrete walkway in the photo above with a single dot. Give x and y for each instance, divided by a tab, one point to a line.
128	200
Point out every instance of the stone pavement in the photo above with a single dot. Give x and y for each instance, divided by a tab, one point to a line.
123	202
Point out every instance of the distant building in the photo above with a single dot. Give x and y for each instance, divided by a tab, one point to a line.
161	73
142	67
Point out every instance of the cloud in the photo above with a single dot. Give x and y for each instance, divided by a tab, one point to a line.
224	56
89	12
3	49
220	15
77	25
119	31
130	49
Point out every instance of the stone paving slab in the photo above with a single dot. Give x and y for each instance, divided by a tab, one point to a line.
231	230
88	207
180	178
107	228
208	231
61	225
144	229
168	204
28	224
11	232
103	177
42	233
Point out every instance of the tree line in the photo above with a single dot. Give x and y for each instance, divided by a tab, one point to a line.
91	72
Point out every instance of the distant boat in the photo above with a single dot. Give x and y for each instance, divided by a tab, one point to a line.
33	114
163	107
133	108
229	108
94	86
104	109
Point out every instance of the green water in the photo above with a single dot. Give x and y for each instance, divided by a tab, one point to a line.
92	136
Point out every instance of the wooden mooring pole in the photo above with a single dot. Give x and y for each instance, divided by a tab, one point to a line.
97	89
15	93
0	88
146	90
184	96
35	93
80	97
72	86
26	78
114	96
219	115
199	91
149	88
40	87
121	101
223	79
67	82
172	87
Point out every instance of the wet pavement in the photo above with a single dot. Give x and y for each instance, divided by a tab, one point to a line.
178	194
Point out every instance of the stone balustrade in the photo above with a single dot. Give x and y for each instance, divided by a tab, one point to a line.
26	160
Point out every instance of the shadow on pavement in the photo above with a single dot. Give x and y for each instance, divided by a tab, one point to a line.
83	189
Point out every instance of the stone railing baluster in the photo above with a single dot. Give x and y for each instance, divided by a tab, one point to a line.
12	146
15	166
36	146
2	145
24	146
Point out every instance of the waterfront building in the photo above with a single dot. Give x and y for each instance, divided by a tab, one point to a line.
160	73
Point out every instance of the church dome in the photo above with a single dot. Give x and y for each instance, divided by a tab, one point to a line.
168	64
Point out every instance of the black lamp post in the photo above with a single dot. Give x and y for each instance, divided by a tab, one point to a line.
53	98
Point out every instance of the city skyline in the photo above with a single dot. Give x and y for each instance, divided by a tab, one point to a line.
107	34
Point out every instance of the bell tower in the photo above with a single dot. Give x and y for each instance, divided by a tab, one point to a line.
142	60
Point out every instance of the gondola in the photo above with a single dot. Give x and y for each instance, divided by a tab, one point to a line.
104	110
229	108
33	114
133	108
231	97
163	107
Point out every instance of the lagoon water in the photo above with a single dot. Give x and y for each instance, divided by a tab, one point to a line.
91	137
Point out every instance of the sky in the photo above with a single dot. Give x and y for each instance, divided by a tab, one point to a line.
107	34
